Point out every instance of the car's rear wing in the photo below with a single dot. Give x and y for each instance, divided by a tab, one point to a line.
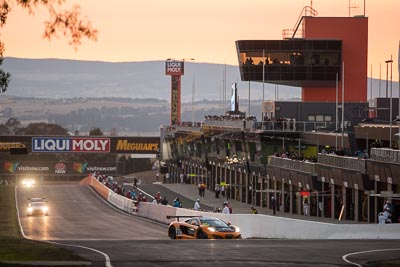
177	217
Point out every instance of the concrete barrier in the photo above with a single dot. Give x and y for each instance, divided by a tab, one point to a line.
256	225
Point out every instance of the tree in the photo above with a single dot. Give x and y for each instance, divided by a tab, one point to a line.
12	124
95	132
42	128
67	22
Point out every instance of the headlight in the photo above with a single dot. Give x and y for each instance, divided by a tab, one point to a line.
28	182
211	229
237	229
44	209
30	209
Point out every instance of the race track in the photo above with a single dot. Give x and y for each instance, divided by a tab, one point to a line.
82	222
76	213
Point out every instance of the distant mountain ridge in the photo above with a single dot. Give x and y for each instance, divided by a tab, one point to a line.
60	78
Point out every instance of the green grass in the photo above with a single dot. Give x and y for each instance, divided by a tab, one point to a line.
13	247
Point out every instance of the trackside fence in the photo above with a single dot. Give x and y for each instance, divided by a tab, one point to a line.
253	225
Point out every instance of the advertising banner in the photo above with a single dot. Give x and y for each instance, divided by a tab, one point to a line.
100	167
135	145
174	68
7	146
57	168
76	144
30	168
71	144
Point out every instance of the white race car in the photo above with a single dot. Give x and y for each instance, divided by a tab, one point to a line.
37	206
28	182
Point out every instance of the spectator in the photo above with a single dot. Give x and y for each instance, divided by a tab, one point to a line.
158	196
381	218
133	195
254	210
217	190
177	203
387	211
199	187
197	205
164	201
305	207
226	209
202	189
273	203
228	191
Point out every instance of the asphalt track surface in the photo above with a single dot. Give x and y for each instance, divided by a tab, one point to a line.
82	222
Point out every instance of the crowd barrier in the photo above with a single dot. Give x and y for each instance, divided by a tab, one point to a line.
116	200
254	225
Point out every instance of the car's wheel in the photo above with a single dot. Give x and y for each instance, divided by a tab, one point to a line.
201	234
172	232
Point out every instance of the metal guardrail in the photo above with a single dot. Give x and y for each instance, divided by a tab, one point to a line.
293	126
288	125
385	154
350	163
291	164
234	124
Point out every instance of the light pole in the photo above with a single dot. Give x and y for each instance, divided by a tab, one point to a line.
263	81
391	96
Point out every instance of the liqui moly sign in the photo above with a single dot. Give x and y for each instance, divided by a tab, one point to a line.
174	68
71	144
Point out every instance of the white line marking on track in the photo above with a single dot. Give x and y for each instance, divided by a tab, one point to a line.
108	261
344	257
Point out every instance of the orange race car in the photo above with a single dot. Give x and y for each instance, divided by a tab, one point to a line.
202	228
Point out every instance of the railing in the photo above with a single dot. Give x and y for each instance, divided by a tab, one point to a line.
294	126
385	154
291	33
350	163
303	166
233	124
288	125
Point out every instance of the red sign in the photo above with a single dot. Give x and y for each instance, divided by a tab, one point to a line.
174	68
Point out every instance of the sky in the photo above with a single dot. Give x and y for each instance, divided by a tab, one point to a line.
206	30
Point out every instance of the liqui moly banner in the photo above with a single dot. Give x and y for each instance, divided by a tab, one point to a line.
174	68
71	144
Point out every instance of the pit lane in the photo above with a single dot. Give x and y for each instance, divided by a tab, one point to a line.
77	216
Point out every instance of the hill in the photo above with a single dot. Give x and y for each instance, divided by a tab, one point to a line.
59	78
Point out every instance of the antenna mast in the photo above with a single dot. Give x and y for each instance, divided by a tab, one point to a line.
354	7
193	91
